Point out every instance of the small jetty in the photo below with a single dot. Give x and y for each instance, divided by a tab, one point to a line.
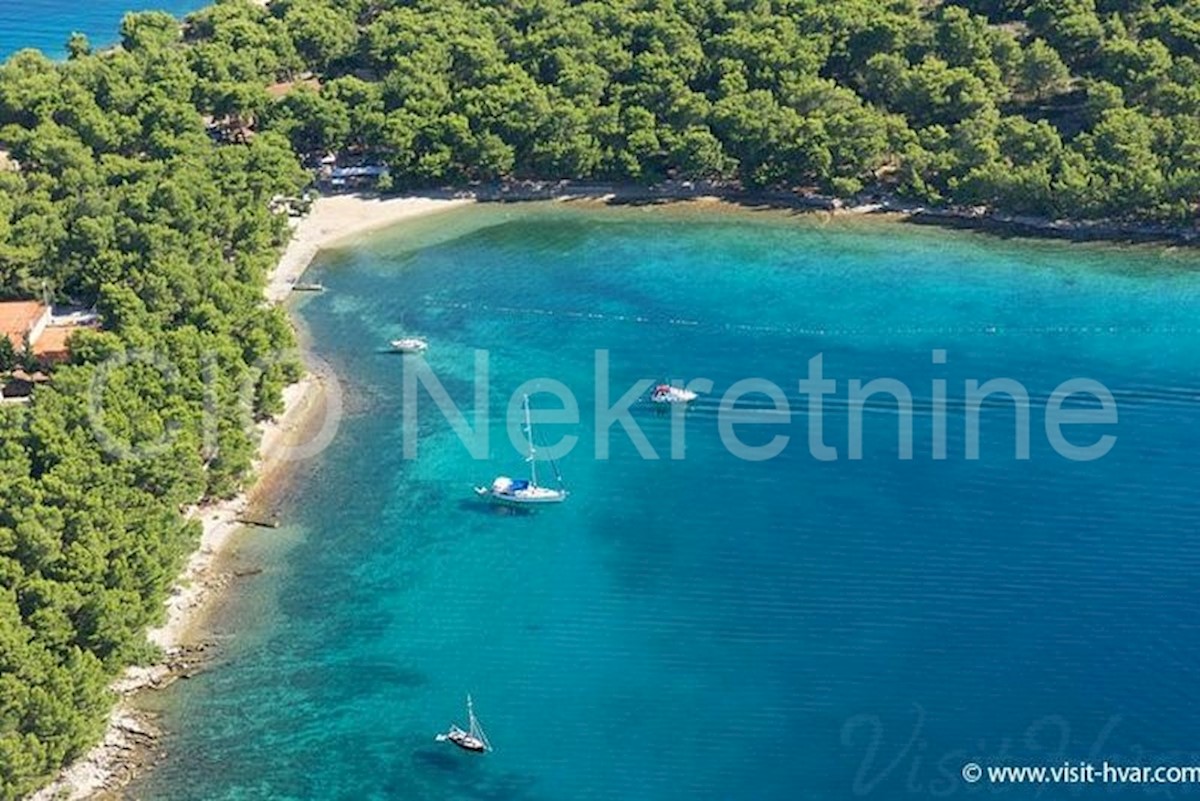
271	521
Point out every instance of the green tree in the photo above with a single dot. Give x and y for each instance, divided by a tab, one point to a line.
1072	27
78	46
8	354
322	34
700	154
146	31
312	122
1042	72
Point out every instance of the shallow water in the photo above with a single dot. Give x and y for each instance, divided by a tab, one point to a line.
711	627
47	24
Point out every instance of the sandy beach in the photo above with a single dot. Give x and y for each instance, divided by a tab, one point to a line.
337	219
128	742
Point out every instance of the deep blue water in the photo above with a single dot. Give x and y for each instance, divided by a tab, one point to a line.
713	628
46	24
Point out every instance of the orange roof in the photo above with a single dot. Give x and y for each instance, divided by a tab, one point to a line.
17	318
52	344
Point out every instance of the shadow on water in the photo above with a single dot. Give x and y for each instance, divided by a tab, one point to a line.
483	507
470	778
439	759
360	674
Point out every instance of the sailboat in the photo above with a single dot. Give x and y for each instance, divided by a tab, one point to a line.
525	491
472	738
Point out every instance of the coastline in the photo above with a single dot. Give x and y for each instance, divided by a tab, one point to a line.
337	219
128	744
978	218
130	734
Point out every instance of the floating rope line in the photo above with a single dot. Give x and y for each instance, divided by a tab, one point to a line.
816	331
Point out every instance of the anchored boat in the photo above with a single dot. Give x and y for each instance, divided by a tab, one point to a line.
470	739
409	345
665	393
524	492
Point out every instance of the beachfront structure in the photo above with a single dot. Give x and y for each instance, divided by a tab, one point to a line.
32	324
363	176
23	322
20	384
51	346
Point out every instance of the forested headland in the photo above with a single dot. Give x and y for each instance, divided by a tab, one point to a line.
1063	108
138	178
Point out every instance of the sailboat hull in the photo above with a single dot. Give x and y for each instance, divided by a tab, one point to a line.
525	498
474	740
469	743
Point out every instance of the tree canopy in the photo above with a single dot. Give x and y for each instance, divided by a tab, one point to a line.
122	199
138	178
917	99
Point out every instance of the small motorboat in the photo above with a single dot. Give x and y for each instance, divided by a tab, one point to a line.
470	739
306	286
665	393
409	345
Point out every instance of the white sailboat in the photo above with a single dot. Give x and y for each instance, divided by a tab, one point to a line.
470	739
525	491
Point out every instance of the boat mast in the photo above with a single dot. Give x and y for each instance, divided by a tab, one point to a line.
476	730
529	436
557	474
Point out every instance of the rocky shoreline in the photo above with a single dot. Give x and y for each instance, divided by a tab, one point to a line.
962	217
132	742
132	739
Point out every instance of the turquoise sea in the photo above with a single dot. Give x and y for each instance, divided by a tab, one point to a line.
46	24
708	627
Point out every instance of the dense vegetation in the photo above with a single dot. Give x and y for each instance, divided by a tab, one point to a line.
1073	108
122	199
145	173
